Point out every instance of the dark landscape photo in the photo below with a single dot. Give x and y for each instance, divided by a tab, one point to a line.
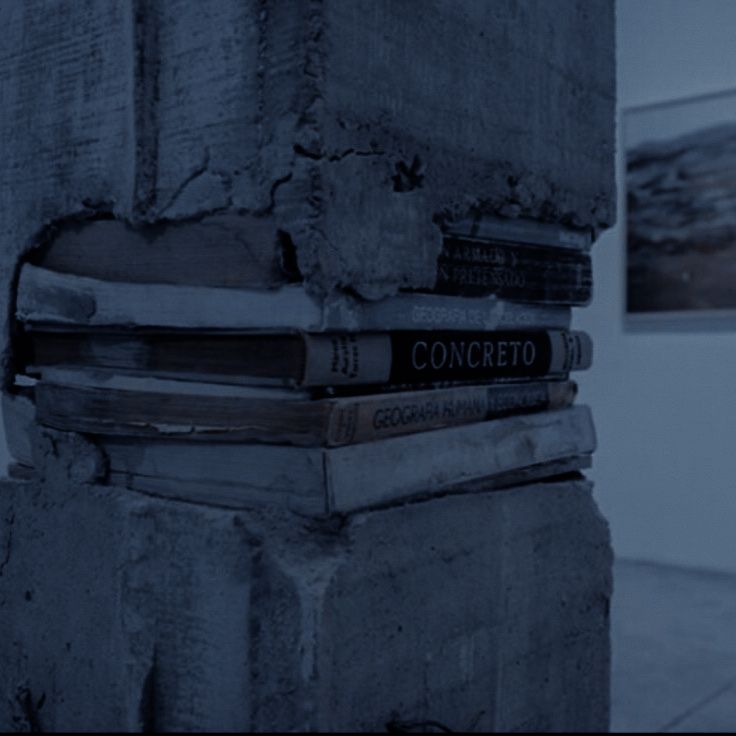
681	208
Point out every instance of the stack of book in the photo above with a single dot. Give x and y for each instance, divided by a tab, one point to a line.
206	371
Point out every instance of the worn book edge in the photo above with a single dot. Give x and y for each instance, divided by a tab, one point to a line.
47	298
521	230
345	479
129	407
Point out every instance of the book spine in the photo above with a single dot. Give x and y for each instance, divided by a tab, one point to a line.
373	473
368	418
419	311
64	301
513	271
68	302
452	356
411	357
346	358
344	479
486	227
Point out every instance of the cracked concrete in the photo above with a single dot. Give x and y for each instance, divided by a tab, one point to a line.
258	107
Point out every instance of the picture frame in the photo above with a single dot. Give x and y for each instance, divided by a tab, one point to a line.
680	213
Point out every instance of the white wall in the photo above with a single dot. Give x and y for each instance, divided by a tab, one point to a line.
664	402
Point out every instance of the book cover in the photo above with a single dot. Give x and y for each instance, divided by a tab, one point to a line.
313	360
526	273
521	230
47	298
318	481
144	407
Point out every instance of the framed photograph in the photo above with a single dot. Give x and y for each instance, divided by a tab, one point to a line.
681	213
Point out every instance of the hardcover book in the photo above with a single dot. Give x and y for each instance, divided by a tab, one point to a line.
145	407
526	273
307	359
62	300
521	230
318	481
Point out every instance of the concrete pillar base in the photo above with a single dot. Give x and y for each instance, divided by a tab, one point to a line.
484	611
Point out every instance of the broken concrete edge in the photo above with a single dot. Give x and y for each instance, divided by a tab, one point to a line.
298	210
310	238
295	142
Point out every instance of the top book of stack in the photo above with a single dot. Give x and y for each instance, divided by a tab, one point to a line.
518	260
107	275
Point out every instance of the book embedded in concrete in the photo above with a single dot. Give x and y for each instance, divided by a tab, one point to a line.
100	404
309	359
526	273
207	382
343	479
519	231
50	298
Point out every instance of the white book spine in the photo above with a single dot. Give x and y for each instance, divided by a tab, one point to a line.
49	298
379	472
528	232
441	312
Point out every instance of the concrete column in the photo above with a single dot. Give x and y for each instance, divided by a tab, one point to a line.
354	127
124	612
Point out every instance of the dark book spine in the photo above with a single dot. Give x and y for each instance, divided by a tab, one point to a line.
371	417
513	271
424	357
404	357
441	355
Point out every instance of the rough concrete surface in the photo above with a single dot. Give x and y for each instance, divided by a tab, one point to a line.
121	611
355	128
353	125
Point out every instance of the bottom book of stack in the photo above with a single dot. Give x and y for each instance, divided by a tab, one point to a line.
316	480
